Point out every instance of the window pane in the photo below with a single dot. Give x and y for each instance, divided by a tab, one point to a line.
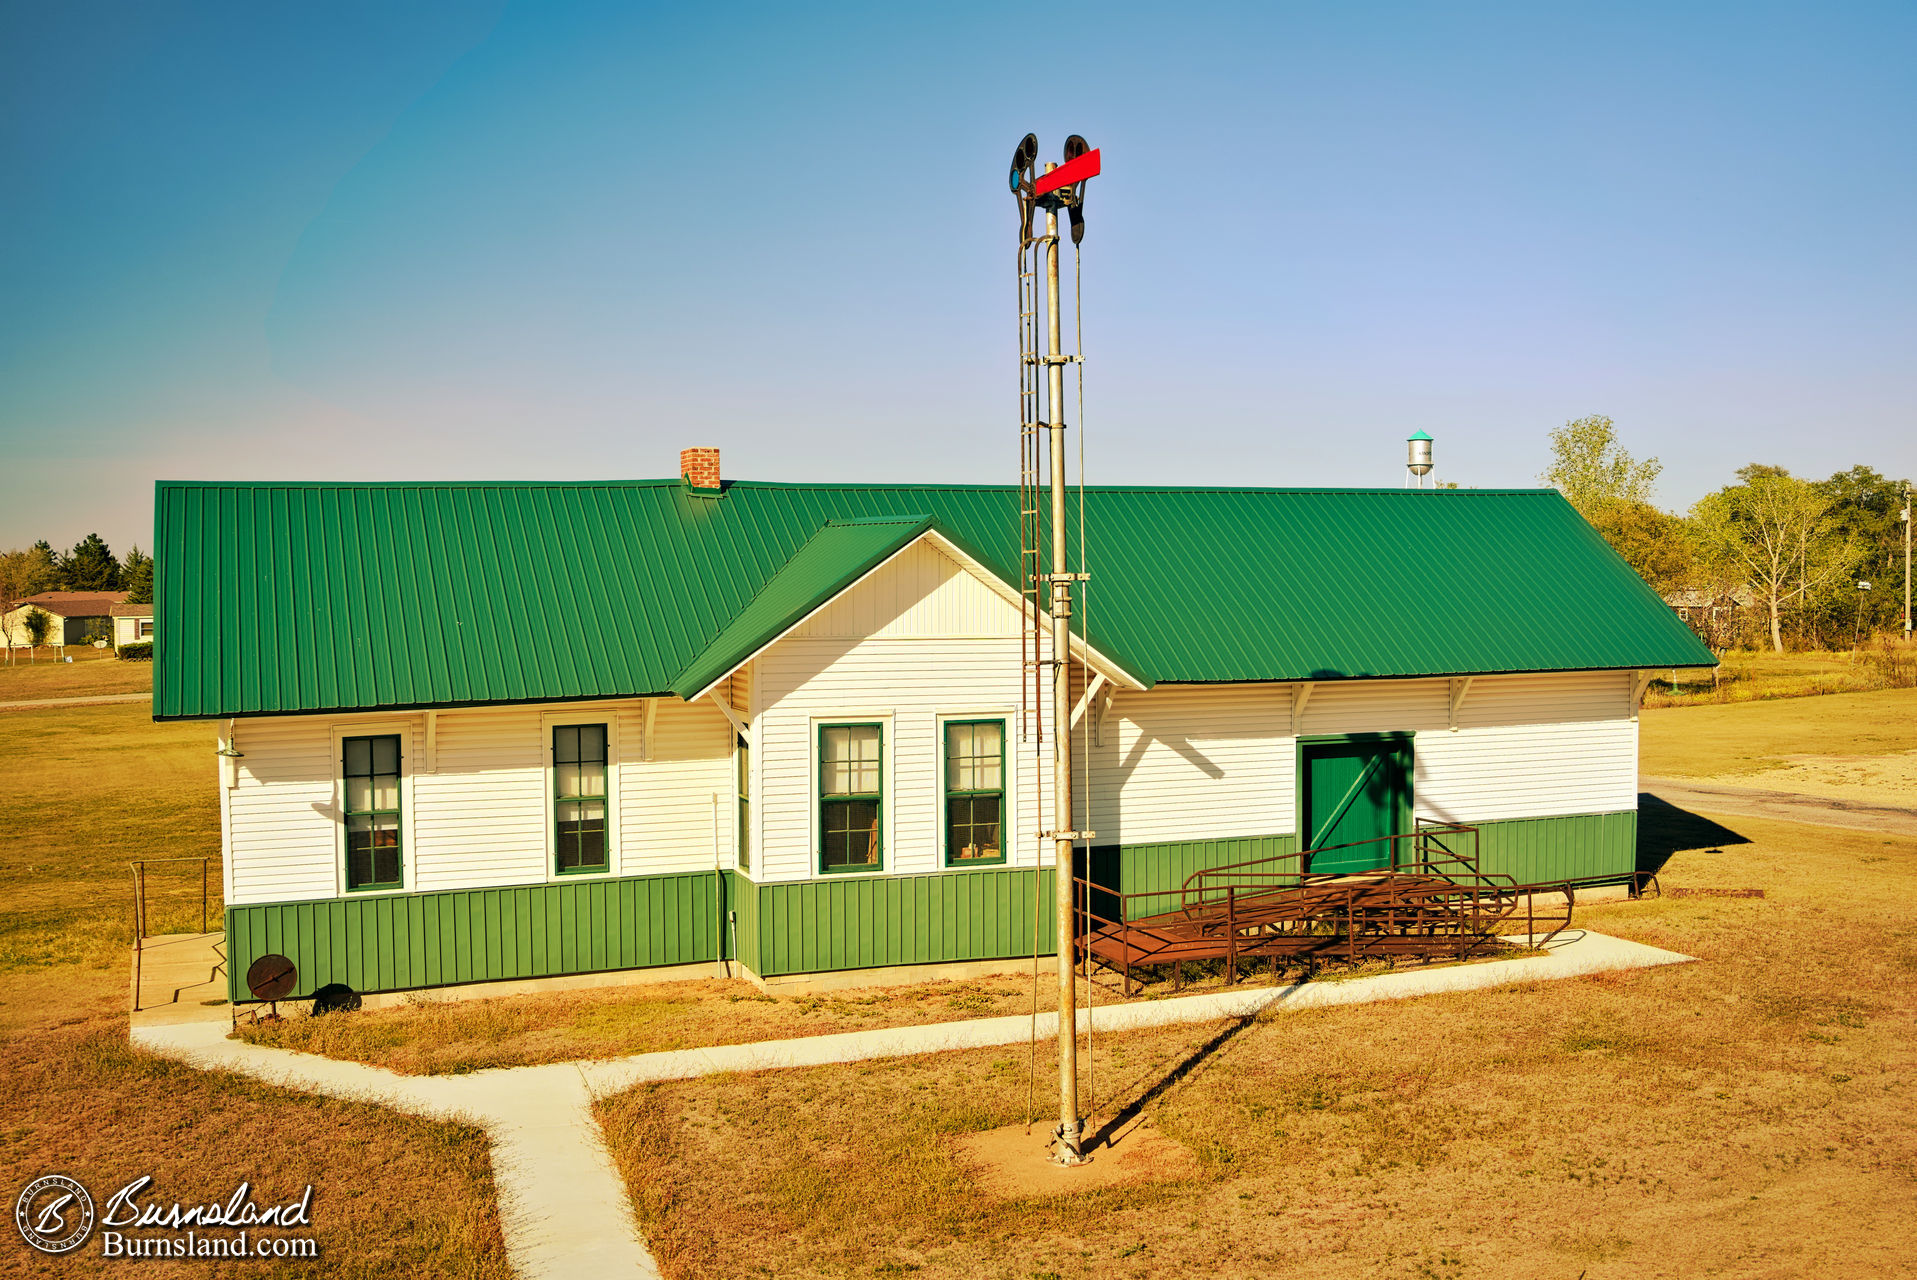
592	742
385	792
565	779
359	757
565	744
988	743
359	795
592	779
851	833
973	828
386	755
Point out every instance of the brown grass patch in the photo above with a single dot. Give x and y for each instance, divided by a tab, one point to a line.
1741	1116
429	1037
392	1195
1752	676
99	785
1719	741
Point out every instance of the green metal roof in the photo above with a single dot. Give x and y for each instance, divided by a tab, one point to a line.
281	598
839	554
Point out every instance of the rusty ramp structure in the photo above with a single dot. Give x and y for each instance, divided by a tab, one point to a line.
1425	900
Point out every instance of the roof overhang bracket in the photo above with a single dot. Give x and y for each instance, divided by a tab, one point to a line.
652	716
725	708
1085	699
432	742
1300	695
1460	686
1640	681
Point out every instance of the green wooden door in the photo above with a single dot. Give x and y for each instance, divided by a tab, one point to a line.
1352	791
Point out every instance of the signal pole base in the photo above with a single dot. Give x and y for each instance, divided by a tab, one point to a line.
1066	1149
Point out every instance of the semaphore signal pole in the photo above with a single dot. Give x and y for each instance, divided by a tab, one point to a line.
1059	187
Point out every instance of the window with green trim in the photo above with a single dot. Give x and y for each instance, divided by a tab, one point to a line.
745	803
579	798
370	767
974	792
851	796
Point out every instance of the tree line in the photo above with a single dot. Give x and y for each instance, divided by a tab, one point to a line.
1772	559
89	566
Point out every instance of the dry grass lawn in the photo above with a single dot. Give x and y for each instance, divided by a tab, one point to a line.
1744	1116
92	671
1745	676
1751	737
451	1038
99	787
393	1196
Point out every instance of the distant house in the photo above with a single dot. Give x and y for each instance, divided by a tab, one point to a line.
73	613
132	624
1716	617
787	725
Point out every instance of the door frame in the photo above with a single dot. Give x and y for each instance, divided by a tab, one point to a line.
1404	739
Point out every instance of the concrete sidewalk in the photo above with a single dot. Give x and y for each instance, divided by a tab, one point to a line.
563	1207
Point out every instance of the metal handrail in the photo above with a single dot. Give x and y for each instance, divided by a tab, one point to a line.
138	868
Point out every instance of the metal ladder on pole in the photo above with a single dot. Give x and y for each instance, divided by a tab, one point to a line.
1032	496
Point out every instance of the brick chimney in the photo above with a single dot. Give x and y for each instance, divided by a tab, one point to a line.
699	467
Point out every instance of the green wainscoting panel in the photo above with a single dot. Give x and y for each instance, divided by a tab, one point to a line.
744	903
865	922
1547	850
398	942
1148	868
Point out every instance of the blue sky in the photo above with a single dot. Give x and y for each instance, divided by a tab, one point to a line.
451	241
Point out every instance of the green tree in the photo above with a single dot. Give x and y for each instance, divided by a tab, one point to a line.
1656	543
1589	467
1613	491
46	568
1779	535
39	626
137	576
1865	505
91	566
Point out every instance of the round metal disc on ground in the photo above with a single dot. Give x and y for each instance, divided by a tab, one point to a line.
270	977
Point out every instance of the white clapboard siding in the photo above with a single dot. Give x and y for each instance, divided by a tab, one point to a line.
282	825
479	819
666	803
920	593
1188	762
909	685
1532	746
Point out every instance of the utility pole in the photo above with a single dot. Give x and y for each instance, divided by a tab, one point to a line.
1906	562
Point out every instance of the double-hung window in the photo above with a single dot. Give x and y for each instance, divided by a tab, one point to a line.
579	798
974	792
851	797
370	767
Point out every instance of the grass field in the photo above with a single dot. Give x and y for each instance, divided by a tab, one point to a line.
85	789
1741	738
1746	676
1744	1116
92	671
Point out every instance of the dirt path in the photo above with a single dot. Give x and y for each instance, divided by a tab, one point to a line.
1784	806
36	704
